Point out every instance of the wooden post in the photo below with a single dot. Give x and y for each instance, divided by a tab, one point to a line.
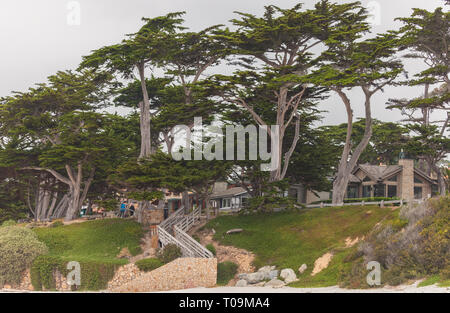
363	203
382	204
321	204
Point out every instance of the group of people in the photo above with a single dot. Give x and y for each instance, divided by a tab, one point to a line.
126	210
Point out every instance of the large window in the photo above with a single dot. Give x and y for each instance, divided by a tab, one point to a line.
418	193
352	191
366	191
380	190
392	191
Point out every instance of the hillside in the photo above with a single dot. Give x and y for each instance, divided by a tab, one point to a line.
290	239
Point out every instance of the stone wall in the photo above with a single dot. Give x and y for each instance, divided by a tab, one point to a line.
181	273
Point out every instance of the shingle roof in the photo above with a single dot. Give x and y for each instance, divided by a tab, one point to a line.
377	172
229	192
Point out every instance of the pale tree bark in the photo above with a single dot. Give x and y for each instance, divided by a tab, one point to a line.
144	107
78	188
348	162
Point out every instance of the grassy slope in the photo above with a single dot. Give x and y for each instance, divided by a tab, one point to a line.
290	239
99	240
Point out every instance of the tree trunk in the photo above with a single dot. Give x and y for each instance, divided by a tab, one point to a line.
144	106
347	162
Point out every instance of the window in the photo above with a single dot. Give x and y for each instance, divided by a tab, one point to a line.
418	193
367	178
393	178
352	191
392	191
380	190
417	180
366	191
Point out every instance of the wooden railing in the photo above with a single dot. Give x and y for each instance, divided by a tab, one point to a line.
173	231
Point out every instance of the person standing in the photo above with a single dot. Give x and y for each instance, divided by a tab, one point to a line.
123	208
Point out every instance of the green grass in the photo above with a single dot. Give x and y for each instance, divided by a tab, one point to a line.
225	272
435	279
289	239
99	241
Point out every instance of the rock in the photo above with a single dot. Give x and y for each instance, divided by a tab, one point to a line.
288	275
234	231
243	276
241	283
302	268
272	274
266	268
213	231
255	278
275	283
260	284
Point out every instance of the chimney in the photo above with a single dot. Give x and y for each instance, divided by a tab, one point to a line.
406	184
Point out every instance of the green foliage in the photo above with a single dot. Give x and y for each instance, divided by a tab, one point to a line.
225	272
169	253
211	248
275	238
8	223
19	246
94	275
149	264
355	200
418	249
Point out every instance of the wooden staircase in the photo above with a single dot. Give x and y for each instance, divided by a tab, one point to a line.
174	231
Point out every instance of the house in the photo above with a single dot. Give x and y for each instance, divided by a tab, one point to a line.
403	181
231	198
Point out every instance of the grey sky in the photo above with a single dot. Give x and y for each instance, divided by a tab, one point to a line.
36	40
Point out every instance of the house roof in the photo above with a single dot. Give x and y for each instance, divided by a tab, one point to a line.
379	172
383	172
229	192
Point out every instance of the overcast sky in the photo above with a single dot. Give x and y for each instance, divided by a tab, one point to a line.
40	37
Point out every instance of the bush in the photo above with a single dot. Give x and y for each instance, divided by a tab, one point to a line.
211	248
225	272
409	250
19	246
169	253
149	264
351	200
9	223
95	275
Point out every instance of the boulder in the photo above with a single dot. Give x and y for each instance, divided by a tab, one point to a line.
241	283
272	274
275	283
302	268
288	275
255	278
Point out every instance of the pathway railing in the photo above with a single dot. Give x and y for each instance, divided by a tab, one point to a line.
381	203
173	231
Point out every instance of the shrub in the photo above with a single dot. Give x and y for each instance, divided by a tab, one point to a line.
225	272
95	275
9	223
169	253
412	250
149	264
19	246
211	248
